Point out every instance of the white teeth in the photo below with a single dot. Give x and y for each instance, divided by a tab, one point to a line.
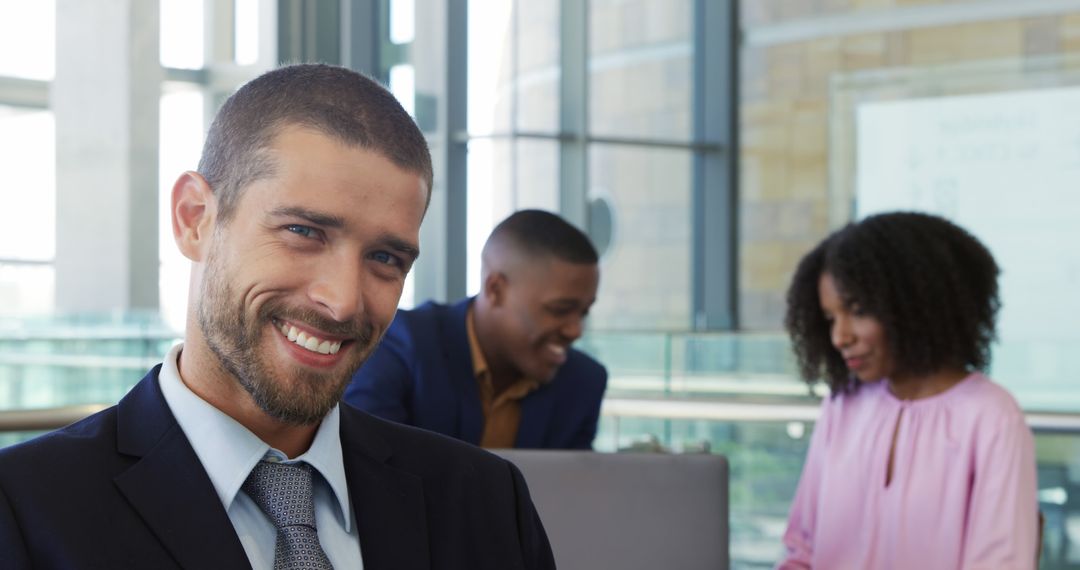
312	343
560	350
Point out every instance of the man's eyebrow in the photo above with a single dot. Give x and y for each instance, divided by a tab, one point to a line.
317	218
399	245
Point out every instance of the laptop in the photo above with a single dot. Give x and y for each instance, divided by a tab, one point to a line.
630	511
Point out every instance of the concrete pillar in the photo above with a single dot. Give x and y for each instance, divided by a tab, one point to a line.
105	99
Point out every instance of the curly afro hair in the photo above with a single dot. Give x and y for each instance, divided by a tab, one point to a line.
931	284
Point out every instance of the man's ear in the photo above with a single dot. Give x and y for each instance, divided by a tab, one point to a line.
194	209
495	288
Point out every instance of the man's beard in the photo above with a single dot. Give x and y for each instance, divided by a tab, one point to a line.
304	396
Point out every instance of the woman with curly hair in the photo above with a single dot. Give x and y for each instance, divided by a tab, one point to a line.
917	459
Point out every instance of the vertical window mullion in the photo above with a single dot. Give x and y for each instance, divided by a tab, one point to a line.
573	111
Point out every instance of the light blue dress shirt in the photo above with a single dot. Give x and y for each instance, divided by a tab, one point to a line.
228	452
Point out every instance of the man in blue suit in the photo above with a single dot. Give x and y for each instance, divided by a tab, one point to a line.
301	223
497	370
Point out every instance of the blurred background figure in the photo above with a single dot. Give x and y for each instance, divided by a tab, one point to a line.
918	460
497	370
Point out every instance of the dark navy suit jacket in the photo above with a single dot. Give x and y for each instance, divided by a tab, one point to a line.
124	489
422	374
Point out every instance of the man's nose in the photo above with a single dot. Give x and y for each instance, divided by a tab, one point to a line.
339	289
573	328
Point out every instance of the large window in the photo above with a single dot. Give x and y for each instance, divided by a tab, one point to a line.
593	109
196	74
28	40
27	158
513	115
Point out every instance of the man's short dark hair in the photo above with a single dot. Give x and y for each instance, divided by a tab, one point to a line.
538	233
931	284
334	101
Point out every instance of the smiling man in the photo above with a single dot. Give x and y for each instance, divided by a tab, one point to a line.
498	370
301	223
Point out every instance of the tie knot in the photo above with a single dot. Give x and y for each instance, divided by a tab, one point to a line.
283	492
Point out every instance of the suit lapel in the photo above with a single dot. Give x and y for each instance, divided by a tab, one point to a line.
460	372
388	503
536	412
168	486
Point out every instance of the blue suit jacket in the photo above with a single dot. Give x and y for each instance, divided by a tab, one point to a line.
422	375
124	489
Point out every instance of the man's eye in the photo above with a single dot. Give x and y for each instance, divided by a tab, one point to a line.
299	230
386	258
560	311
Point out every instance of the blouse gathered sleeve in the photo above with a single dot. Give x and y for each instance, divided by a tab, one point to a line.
1002	531
799	536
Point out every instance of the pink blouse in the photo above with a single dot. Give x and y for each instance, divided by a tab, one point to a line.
963	489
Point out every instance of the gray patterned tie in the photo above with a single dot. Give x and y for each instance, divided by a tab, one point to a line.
283	491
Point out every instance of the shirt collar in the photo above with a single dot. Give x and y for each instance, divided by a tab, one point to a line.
229	451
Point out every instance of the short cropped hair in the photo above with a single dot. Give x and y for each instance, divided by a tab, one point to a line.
538	233
334	101
931	284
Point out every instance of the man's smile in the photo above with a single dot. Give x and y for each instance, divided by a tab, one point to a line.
311	340
312	347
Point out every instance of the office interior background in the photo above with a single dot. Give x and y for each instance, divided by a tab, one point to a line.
704	145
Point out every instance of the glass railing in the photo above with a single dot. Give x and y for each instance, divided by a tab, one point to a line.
54	362
1040	374
696	364
61	361
734	394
